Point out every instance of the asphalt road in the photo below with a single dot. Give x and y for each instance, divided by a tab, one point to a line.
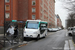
54	41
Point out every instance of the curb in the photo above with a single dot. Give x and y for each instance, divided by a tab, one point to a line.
7	48
72	47
73	43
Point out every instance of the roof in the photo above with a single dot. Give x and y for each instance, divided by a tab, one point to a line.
37	20
33	20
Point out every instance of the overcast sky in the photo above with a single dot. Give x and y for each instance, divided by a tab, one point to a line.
59	9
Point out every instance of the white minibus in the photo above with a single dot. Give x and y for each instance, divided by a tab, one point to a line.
35	29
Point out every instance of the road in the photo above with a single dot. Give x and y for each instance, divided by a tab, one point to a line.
54	41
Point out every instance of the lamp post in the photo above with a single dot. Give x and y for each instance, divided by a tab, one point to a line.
4	23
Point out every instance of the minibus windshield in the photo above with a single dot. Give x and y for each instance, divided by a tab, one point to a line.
32	25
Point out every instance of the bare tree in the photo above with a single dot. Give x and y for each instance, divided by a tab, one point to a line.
69	5
71	20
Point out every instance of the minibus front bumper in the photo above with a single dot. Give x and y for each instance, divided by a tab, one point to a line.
30	35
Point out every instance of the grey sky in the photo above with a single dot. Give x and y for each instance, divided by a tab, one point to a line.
59	9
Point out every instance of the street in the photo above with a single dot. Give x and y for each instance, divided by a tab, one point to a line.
53	41
37	25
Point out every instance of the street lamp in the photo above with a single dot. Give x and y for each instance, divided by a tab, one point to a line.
4	23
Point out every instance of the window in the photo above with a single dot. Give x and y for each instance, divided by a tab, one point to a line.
7	7
33	2
33	10
32	25
33	16
6	0
7	15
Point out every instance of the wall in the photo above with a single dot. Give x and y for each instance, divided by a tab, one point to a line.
1	12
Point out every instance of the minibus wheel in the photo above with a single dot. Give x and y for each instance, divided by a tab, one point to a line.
24	39
38	37
70	34
45	36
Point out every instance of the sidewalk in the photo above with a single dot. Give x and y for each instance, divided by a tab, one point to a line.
1	35
15	46
8	45
1	30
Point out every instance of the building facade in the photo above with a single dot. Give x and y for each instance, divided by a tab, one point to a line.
14	10
1	12
59	22
42	10
22	10
56	21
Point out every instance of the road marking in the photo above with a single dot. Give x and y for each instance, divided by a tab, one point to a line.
55	48
10	49
22	45
66	46
66	34
71	45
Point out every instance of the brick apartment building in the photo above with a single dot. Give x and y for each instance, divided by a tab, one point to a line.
1	12
43	10
14	10
59	22
22	10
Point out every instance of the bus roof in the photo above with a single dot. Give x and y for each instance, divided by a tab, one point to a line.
38	21
34	20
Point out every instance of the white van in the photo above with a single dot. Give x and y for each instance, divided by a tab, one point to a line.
35	29
70	29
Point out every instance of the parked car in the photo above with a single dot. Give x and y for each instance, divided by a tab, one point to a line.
49	29
60	28
55	29
70	29
73	31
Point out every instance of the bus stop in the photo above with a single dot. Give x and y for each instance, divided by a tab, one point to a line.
19	38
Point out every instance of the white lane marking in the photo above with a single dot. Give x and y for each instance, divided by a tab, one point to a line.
71	45
66	46
66	34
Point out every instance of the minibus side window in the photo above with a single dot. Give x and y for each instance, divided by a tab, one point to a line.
43	27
